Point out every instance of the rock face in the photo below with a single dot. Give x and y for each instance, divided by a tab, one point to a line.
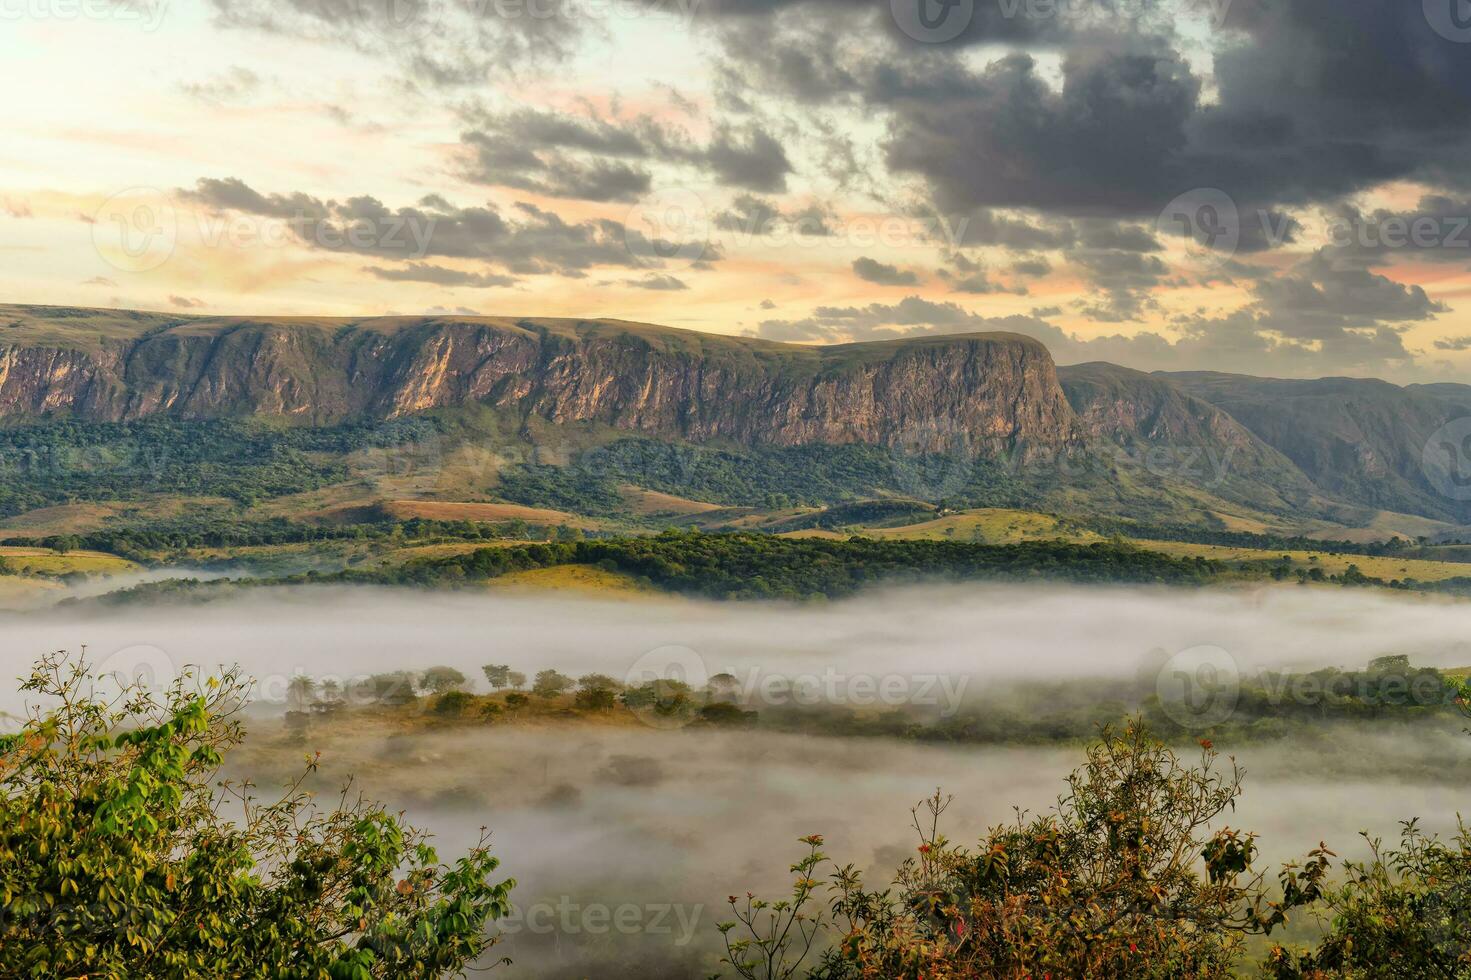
984	392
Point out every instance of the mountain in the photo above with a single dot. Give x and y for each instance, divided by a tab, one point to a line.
1358	439
1165	428
984	392
1090	437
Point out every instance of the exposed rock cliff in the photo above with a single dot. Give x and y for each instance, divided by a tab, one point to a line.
985	392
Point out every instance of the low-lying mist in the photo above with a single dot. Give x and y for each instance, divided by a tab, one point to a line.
626	841
626	844
994	633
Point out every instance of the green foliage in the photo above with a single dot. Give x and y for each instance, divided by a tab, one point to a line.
59	461
757	566
498	675
116	860
438	680
452	704
1404	914
551	683
1123	878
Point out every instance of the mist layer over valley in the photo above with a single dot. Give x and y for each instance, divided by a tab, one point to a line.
626	838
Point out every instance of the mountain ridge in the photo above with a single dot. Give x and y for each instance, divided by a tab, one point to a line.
1279	445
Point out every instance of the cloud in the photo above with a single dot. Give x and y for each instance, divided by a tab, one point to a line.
234	85
1462	342
657	282
441	276
186	302
870	270
750	158
527	241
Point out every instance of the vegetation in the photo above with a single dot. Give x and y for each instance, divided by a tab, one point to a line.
758	566
116	859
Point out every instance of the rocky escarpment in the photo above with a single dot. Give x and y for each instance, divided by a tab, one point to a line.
983	392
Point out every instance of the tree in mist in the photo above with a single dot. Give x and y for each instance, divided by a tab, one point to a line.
398	687
498	675
516	680
299	691
438	680
116	859
551	683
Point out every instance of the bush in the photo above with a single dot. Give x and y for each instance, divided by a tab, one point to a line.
115	860
1108	884
453	703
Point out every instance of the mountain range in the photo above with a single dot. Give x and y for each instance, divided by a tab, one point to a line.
1332	449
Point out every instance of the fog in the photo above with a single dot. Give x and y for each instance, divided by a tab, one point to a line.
660	827
991	632
626	841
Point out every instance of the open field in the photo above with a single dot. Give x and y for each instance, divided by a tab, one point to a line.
44	561
574	578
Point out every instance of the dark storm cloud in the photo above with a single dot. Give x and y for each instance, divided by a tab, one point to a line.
871	270
595	159
750	158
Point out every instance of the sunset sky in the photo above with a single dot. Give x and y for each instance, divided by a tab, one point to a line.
1266	186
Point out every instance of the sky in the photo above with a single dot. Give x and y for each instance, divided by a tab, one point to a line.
1276	187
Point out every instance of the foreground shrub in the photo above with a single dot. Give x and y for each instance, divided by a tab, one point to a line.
121	857
1123	878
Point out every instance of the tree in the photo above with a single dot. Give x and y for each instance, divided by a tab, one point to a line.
398	687
516	679
603	682
299	691
499	675
453	703
116	860
551	683
438	680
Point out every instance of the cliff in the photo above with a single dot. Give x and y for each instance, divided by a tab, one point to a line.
983	392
